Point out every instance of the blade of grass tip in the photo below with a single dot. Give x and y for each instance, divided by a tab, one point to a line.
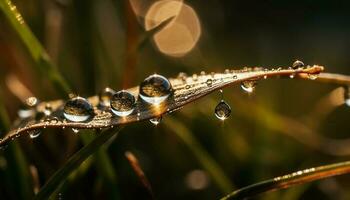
74	162
208	163
17	164
147	36
36	50
289	180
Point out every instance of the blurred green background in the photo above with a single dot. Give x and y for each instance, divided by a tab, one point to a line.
282	127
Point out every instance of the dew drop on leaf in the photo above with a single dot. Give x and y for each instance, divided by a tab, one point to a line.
77	109
105	96
48	109
156	120
209	82
222	110
298	64
155	89
312	76
34	133
75	130
248	86
27	109
122	103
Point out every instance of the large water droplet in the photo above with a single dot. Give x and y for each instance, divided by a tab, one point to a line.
298	64
122	103
155	89
105	96
27	109
248	86
34	133
156	120
77	109
222	110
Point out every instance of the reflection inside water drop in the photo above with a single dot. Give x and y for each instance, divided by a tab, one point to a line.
122	103
77	109
248	86
155	89
75	130
298	64
222	110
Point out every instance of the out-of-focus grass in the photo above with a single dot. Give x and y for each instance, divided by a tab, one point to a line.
18	177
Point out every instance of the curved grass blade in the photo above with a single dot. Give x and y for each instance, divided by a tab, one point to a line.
289	180
74	162
185	90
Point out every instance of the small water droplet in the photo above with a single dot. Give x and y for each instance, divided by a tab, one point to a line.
77	109
155	89
248	86
298	64
156	120
313	76
187	87
209	82
122	103
194	77
75	130
291	75
222	110
347	95
227	71
27	109
48	109
34	133
234	76
202	73
105	96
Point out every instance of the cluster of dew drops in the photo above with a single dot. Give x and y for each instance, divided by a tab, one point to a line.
154	90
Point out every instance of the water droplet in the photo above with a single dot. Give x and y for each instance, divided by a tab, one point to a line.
48	109
194	77
155	89
291	75
27	109
209	82
227	71
248	86
222	110
77	109
298	64
34	133
234	76
122	103
312	76
105	96
156	120
75	130
182	76
347	95
202	73
187	87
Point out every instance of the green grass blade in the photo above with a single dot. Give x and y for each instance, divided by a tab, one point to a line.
18	167
208	163
74	162
36	50
289	180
